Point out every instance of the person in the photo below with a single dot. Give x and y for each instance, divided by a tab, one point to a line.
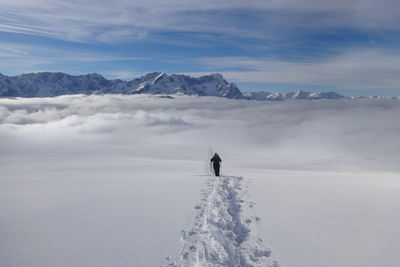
216	163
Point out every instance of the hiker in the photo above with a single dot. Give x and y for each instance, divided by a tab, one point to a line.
216	163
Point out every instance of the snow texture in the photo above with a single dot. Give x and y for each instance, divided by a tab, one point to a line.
222	232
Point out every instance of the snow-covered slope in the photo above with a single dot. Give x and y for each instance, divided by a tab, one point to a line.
47	84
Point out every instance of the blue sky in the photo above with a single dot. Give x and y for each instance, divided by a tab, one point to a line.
278	45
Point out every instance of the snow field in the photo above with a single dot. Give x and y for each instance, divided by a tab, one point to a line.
107	212
314	218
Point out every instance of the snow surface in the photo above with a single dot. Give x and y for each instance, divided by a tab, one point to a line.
125	181
313	218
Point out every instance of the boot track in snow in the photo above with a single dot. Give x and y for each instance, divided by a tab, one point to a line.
221	235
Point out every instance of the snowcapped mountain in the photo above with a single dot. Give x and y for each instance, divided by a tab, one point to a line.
47	84
261	95
299	94
161	83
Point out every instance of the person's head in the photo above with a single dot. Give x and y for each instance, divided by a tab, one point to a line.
216	155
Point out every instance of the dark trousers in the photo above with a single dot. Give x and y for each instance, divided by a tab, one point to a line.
216	169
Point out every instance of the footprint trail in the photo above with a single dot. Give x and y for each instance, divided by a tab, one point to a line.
222	232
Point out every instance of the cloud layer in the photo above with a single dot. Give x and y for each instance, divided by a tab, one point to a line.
323	135
109	21
364	69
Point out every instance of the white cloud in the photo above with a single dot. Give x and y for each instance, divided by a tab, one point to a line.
20	58
105	20
356	69
348	134
122	74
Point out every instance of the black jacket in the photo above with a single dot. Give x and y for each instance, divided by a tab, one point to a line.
216	160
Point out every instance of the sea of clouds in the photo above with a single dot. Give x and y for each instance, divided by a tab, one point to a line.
323	134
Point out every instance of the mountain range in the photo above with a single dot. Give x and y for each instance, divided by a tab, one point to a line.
49	84
299	94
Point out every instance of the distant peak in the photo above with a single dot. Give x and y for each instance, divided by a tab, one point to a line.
94	75
217	75
299	94
159	77
151	75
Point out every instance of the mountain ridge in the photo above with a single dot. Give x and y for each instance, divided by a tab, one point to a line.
49	84
299	94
